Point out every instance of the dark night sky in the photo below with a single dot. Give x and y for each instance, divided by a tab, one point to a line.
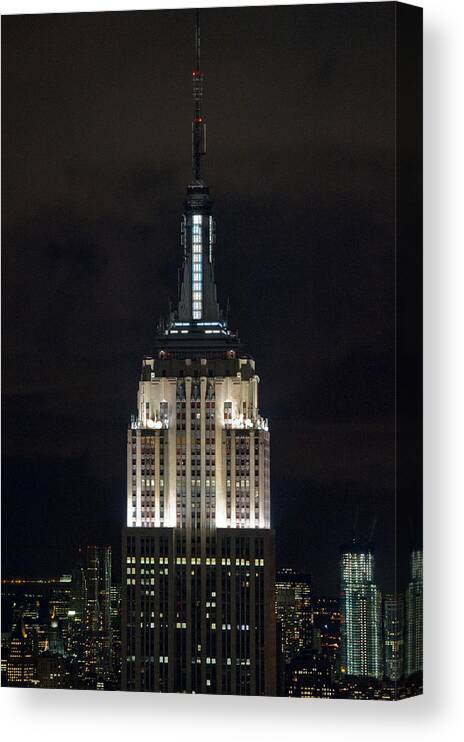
96	158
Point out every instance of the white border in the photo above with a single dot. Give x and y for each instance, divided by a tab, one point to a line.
69	715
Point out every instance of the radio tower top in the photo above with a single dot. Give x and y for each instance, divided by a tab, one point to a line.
198	123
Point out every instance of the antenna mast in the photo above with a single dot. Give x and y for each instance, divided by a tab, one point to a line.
198	123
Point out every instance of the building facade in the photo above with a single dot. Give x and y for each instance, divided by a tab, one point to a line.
198	550
361	609
311	675
326	619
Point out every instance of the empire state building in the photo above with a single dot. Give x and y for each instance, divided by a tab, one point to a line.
198	552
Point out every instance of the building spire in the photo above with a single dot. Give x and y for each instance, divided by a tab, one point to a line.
197	39
198	123
197	323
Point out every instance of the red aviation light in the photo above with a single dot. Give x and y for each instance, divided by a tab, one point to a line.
199	120
196	73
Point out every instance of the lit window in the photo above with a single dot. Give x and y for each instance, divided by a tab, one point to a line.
197	267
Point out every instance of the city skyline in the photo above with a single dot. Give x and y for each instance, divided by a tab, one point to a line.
363	645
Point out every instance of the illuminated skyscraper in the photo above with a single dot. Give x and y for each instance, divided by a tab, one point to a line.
414	619
59	601
76	623
393	632
293	610
198	551
361	609
116	633
98	666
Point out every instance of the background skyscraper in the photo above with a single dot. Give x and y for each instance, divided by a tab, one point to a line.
414	615
326	620
293	611
98	667
393	633
198	551
361	609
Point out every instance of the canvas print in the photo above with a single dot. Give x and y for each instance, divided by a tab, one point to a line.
211	475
